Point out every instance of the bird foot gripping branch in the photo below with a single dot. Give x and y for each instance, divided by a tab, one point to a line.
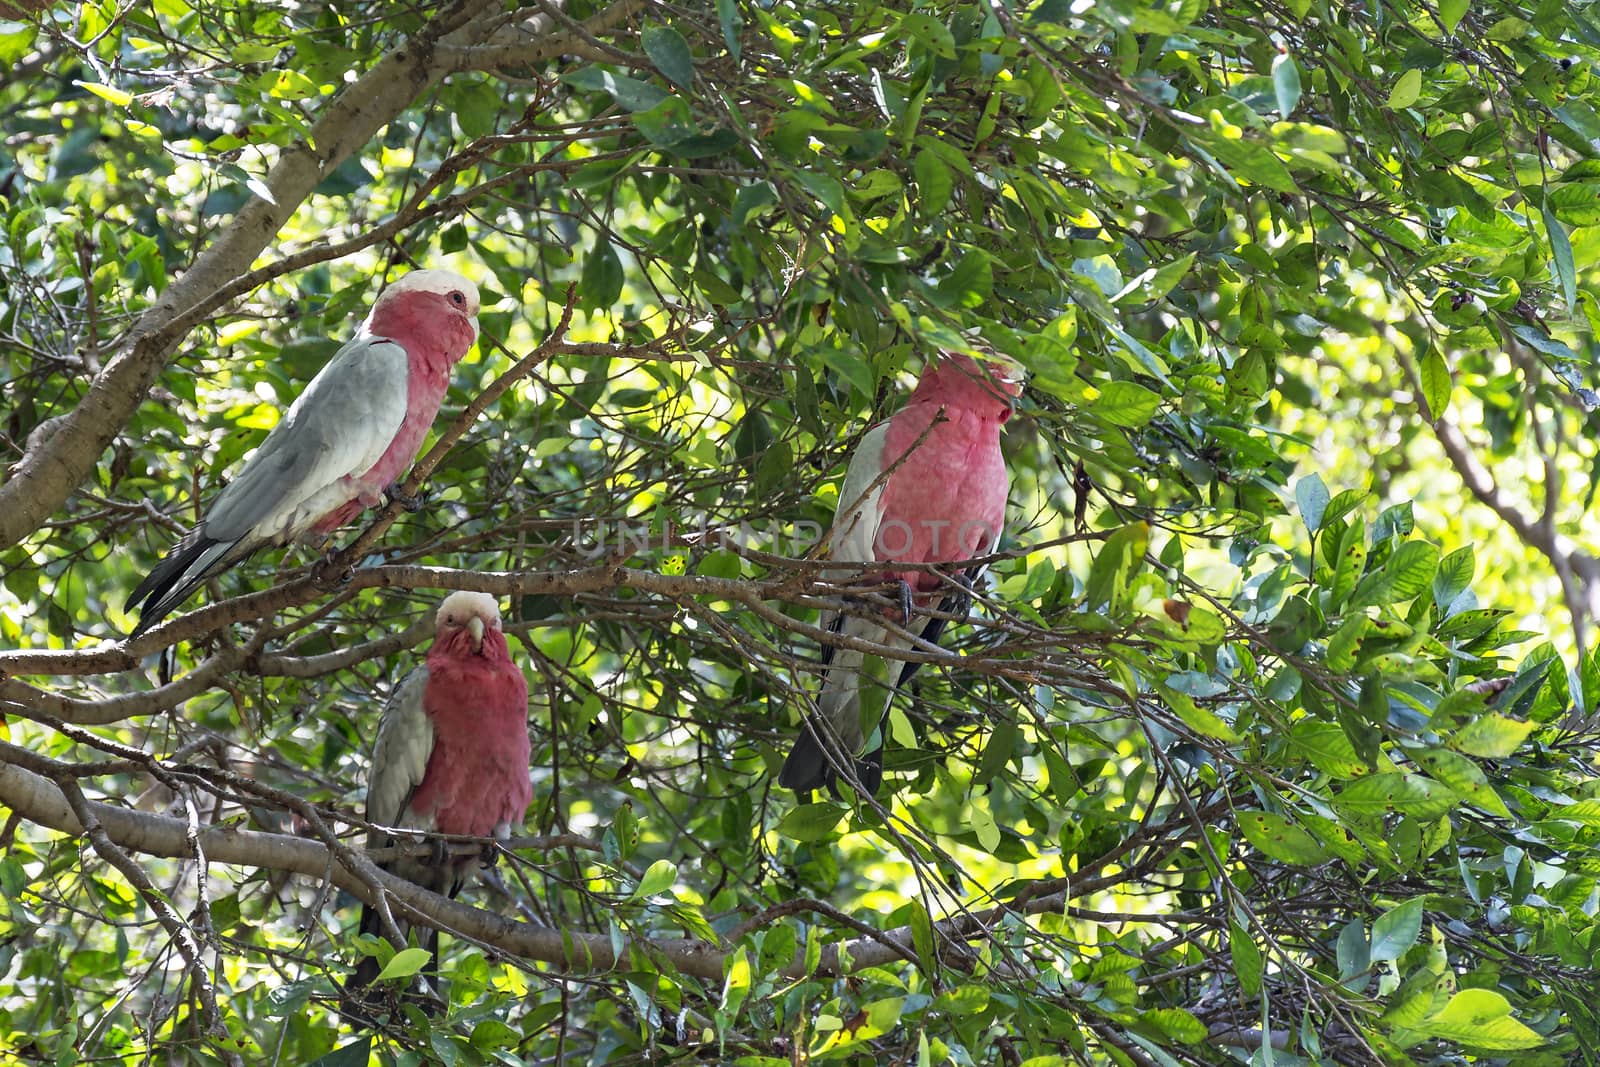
334	569
411	502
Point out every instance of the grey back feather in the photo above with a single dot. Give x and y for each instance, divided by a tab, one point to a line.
400	754
340	426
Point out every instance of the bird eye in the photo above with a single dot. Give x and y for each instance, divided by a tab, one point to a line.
457	299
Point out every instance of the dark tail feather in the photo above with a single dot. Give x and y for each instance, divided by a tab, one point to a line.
809	769
195	559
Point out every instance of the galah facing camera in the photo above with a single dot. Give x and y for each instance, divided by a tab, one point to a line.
340	446
927	485
451	756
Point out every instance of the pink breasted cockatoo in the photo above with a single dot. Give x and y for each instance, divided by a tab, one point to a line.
942	500
451	755
342	443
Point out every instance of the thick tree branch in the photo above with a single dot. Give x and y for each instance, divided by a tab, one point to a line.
760	597
41	800
1578	571
528	39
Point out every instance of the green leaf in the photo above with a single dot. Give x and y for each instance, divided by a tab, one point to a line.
668	123
356	1054
1450	12
491	1034
1492	736
753	200
1561	256
1126	404
1246	956
1583	812
1480	1018
963	1000
16	39
657	879
1576	204
922	934
1328	748
1251	161
1394	792
737	986
1464	777
670	53
600	286
970	284
1508	29
477	105
1436	384
630	93
1154	284
1041	576
935	181
1311	497
1201	720
853	368
932	33
1281	839
404	964
1396	930
732	22
1176	1024
292	85
720	564
1454	575
109	93
1580	118
811	822
1407	88
1119	557
1286	83
1408	572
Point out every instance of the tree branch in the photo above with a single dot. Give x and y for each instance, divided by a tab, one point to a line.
41	800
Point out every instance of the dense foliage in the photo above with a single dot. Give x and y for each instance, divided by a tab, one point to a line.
1270	738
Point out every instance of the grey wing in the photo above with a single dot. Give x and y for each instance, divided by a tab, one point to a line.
400	755
341	425
860	510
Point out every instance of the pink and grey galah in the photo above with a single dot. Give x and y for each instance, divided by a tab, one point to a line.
926	485
451	755
341	445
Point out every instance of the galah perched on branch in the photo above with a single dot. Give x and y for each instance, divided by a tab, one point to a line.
342	444
927	485
451	756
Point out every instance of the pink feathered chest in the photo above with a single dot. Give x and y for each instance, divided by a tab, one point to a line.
477	779
946	498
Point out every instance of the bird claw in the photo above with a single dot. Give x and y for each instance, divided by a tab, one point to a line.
488	856
331	572
438	852
412	502
904	591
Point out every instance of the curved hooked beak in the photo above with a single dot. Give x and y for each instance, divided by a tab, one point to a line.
475	628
